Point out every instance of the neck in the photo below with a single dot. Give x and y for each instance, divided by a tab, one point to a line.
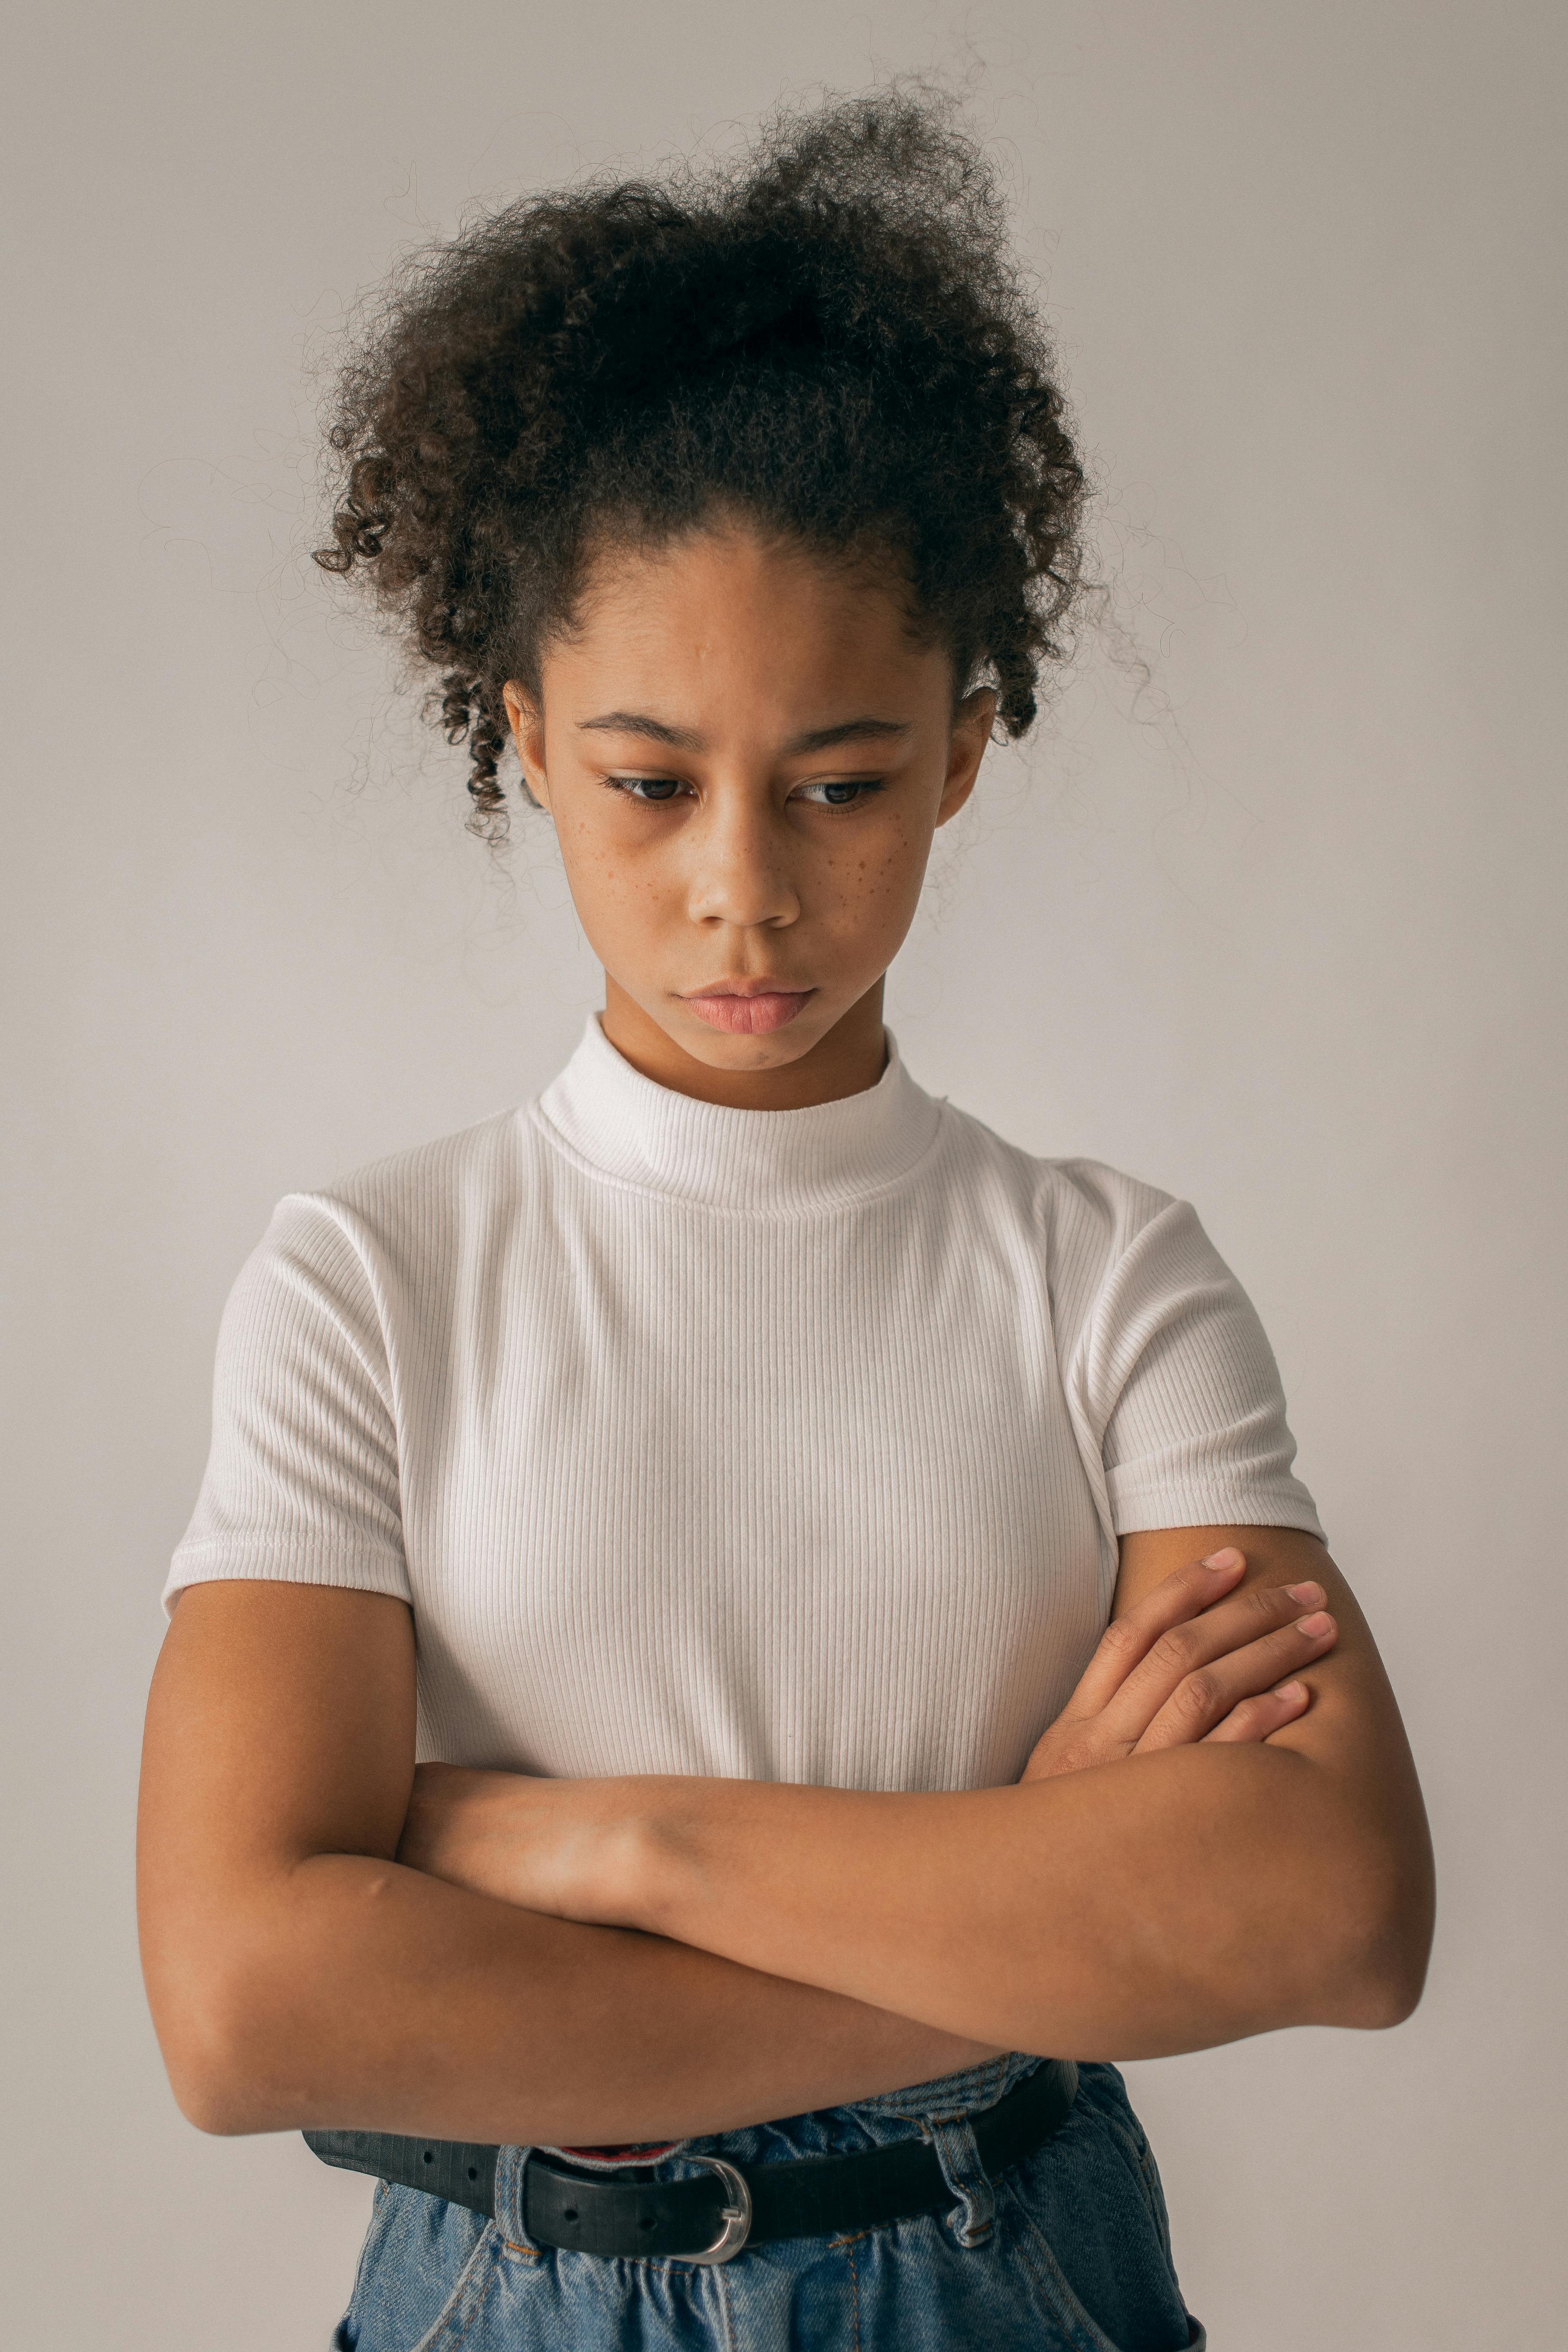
847	1061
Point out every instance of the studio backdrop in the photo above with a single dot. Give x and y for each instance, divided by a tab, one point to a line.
1267	911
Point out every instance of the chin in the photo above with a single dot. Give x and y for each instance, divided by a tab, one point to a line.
722	1050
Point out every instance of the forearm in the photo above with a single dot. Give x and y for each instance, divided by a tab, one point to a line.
1164	1904
1168	1899
356	1993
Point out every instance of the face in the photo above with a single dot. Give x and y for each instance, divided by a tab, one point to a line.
746	756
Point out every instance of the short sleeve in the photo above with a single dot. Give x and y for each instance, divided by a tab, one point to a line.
302	1483
1180	1383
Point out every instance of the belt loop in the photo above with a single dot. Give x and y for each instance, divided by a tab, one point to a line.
511	2169
959	2156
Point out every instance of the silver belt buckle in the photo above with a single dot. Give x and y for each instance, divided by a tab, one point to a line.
736	2215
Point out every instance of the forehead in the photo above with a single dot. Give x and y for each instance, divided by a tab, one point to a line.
728	613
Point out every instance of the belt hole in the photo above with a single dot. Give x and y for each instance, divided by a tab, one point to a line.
473	2172
645	2221
570	2214
429	2156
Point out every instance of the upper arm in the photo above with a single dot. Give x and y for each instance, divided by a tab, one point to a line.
280	1725
1179	1390
1353	1711
302	1480
1352	1730
1176	1387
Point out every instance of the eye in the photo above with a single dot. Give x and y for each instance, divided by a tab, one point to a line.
652	791
845	794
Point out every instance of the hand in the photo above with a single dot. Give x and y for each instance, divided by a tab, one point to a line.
1188	1664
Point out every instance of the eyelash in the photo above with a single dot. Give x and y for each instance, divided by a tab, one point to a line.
864	788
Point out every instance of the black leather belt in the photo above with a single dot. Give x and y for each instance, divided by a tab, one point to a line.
711	2218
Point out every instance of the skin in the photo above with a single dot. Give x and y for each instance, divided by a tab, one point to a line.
1133	1896
742	869
1221	1834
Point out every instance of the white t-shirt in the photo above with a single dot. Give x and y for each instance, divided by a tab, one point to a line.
790	1445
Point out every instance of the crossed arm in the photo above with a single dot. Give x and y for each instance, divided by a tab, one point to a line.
1192	1855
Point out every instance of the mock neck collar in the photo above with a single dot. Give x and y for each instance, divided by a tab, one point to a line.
604	1114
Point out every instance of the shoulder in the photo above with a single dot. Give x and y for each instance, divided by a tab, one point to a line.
1083	1208
1113	1247
396	1221
463	1168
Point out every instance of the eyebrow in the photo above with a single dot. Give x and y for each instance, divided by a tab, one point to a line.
687	738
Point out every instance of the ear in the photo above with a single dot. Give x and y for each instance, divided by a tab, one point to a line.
527	720
971	723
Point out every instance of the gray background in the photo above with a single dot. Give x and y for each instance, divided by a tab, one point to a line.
1279	930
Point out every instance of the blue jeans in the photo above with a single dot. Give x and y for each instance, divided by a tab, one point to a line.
1068	2251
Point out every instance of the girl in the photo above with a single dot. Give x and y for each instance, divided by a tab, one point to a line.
872	1661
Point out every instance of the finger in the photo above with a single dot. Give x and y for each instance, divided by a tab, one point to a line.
1185	1593
1203	1699
1233	1624
1254	1718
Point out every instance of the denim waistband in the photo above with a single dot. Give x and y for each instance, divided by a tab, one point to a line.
1067	2249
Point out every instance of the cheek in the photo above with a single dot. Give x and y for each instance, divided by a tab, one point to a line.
876	877
600	863
626	898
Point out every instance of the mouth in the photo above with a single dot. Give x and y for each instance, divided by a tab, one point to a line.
747	1008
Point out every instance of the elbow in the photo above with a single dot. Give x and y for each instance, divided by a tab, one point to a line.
214	2101
1383	1989
211	2033
212	2068
1381	1941
252	2001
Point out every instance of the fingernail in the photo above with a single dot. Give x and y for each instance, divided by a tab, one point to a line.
1315	1627
1309	1595
1227	1557
1289	1690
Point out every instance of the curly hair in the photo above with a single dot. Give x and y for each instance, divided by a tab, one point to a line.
829	336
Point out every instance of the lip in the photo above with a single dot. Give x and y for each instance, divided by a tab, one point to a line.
747	1008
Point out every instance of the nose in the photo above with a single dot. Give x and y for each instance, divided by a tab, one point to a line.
742	869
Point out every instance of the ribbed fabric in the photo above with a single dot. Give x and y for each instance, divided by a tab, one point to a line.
787	1444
